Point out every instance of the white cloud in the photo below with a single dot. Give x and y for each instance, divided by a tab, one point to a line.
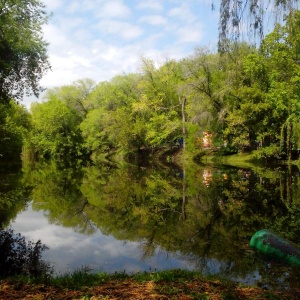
92	5
59	41
190	34
151	5
71	23
113	9
182	13
98	60
73	7
108	54
66	69
102	38
154	20
68	249
124	30
53	4
83	35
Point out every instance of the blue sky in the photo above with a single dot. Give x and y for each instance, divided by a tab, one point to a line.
99	39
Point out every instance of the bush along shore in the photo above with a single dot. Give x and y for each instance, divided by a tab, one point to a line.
171	284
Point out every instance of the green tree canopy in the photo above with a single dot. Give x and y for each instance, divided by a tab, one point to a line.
15	123
265	106
23	51
56	129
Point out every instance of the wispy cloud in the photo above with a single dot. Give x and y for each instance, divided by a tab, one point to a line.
73	7
182	13
102	38
190	34
121	29
53	4
113	9
151	5
153	20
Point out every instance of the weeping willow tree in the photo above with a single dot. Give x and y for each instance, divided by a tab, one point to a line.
290	136
250	17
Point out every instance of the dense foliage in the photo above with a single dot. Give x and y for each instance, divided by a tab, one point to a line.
246	98
23	61
23	52
15	124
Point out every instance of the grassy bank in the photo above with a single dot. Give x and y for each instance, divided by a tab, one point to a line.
239	160
172	284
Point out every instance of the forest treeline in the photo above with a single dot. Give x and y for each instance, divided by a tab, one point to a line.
246	98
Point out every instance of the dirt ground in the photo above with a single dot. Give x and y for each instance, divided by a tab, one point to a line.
131	289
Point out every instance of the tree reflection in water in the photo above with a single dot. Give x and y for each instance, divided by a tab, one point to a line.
204	214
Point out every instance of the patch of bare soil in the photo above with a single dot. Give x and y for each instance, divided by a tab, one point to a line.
131	289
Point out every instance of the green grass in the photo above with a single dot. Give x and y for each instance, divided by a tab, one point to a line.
83	277
240	160
167	276
171	283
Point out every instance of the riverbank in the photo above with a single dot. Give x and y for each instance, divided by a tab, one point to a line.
173	284
239	160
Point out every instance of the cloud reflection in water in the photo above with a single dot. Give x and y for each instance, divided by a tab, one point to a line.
70	250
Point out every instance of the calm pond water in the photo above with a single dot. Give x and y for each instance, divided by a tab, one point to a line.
155	218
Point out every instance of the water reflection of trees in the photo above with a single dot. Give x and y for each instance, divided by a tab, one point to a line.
14	194
214	222
56	191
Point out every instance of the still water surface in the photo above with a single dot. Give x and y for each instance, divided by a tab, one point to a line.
155	218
